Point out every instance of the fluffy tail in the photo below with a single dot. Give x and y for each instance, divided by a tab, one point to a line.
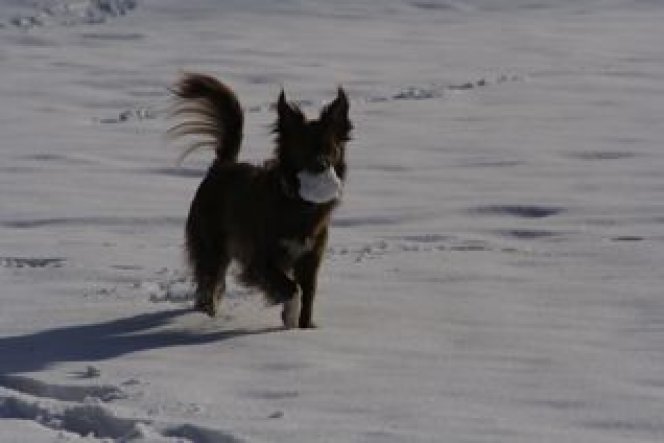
212	113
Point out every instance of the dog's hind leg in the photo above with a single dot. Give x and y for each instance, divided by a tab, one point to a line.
211	286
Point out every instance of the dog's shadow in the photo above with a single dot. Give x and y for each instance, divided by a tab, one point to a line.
102	341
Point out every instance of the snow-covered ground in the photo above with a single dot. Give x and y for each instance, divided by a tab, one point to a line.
494	274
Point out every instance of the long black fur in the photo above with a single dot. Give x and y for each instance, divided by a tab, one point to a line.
253	213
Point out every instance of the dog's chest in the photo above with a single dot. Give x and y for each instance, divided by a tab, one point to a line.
297	247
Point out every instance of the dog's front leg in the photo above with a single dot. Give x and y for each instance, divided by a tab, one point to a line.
280	288
290	313
306	275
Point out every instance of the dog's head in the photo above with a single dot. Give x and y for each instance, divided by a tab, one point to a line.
313	145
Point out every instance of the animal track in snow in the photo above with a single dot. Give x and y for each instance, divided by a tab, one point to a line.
602	155
521	211
82	410
627	238
528	234
274	394
38	388
414	243
72	408
73	12
198	434
410	93
31	262
141	113
82	419
92	221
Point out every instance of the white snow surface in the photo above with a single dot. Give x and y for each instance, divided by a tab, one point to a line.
494	273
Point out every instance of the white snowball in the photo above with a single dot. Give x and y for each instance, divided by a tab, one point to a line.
319	188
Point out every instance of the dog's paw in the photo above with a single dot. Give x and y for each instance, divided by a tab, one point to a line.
307	325
207	306
290	314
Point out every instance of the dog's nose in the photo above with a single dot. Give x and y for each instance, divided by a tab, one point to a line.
320	163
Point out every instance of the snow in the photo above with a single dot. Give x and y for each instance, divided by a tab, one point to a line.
493	273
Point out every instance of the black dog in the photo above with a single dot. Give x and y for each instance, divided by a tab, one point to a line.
272	219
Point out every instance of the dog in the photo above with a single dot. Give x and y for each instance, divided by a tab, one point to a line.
272	219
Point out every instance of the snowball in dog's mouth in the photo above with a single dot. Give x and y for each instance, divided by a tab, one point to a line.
320	187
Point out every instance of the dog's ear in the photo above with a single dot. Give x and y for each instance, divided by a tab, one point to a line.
289	115
335	116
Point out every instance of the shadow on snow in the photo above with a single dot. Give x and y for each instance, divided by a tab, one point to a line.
102	341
